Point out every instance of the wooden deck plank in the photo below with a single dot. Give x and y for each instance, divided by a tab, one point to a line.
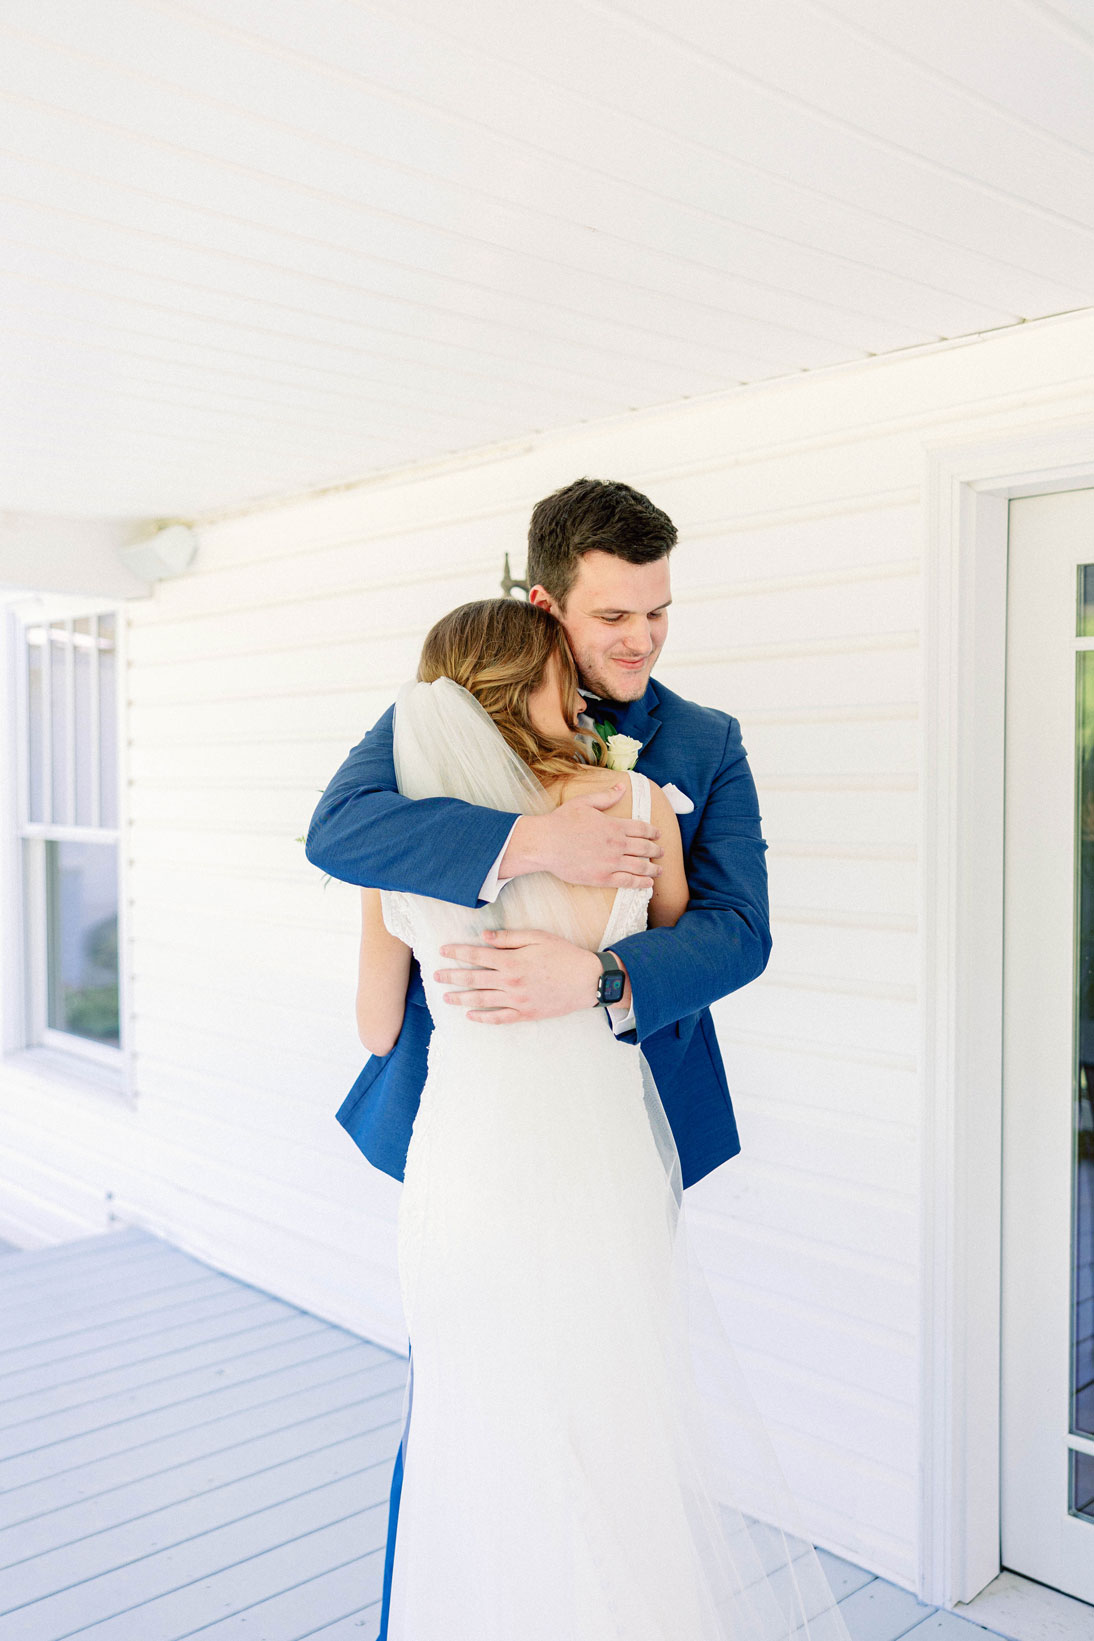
120	1549
100	1244
842	1575
138	1495
229	1313
125	1322
61	1280
156	1291
87	1392
199	1459
370	1390
153	1426
363	1625
314	1343
139	1275
217	1572
881	1611
84	1297
345	1602
183	1447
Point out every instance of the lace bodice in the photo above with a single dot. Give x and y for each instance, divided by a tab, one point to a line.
628	910
395	906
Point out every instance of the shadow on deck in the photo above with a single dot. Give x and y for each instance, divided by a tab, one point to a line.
182	1454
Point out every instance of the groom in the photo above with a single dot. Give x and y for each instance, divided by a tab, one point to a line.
598	560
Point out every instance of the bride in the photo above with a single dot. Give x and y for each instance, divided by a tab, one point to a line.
582	1460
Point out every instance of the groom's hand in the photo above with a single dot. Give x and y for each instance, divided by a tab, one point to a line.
522	974
580	845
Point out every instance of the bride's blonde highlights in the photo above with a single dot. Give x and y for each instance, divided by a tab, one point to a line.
498	650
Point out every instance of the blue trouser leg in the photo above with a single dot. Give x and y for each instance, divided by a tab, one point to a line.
393	1512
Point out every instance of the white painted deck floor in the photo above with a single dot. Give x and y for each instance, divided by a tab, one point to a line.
184	1455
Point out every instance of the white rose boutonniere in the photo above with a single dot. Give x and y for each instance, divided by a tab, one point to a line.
620	751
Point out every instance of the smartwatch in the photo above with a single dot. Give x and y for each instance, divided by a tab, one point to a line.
610	985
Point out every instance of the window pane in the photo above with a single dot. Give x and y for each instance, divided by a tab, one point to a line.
1084	627
82	953
108	768
36	641
1082	1484
59	722
81	656
1082	1181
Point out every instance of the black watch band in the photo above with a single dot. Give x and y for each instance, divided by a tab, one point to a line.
610	985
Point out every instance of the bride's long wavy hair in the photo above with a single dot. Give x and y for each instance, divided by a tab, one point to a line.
498	649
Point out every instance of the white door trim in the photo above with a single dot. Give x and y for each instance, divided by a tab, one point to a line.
968	486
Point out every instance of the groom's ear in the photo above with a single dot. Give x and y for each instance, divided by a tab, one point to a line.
539	595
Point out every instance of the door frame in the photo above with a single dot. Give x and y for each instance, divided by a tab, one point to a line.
967	489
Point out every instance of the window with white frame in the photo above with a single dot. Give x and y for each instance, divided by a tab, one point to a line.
66	708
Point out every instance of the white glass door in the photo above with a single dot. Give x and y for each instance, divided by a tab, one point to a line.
1047	1371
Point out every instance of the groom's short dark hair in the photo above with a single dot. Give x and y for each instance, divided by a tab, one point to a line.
592	515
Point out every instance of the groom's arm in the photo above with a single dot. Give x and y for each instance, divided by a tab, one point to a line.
723	940
720	943
364	831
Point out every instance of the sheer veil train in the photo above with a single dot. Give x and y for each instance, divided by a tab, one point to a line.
756	1573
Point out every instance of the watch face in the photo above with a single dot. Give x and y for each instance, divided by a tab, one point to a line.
611	988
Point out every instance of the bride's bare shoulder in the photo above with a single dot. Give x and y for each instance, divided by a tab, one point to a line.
590	778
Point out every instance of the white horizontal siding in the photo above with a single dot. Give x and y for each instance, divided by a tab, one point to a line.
796	608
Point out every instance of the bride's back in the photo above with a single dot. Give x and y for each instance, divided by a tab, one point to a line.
446	744
592	906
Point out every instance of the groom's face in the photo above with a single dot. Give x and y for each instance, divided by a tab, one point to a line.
616	620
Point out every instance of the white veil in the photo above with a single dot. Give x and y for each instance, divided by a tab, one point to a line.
763	1580
447	745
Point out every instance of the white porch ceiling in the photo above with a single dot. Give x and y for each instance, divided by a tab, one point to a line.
250	247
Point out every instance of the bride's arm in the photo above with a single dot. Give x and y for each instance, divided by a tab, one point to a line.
382	975
669	900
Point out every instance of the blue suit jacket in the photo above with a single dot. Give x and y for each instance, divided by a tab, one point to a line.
364	831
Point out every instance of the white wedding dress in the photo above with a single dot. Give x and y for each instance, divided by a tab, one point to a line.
560	1480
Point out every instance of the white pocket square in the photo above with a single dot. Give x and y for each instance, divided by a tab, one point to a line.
679	800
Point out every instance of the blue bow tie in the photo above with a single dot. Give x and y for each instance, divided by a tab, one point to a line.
602	706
